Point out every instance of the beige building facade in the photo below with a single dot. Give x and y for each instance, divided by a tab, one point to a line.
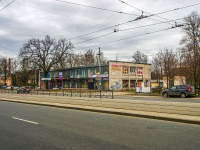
128	75
176	80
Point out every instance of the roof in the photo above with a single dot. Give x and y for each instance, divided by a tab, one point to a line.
127	62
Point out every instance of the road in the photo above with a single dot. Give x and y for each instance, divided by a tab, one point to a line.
31	127
159	98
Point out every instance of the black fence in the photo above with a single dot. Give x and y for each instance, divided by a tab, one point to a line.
66	92
156	91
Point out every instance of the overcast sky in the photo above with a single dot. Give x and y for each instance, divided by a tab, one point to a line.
26	19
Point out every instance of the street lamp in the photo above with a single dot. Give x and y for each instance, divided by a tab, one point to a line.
35	78
99	70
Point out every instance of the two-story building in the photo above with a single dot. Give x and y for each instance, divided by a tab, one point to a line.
113	75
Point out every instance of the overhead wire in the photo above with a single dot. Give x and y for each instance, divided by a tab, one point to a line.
152	24
178	8
6	48
131	21
117	24
142	11
7	5
56	13
102	9
128	38
101	29
3	47
127	29
139	9
93	38
114	11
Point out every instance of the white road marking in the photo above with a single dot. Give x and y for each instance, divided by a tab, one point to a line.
25	120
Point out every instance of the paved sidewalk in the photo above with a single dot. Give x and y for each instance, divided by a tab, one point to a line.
172	111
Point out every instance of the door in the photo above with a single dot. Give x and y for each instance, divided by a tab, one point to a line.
172	90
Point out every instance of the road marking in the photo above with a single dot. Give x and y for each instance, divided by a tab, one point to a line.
25	120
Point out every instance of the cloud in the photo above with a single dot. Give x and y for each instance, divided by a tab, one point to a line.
24	20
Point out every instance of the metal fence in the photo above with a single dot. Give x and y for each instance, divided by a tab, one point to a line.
67	92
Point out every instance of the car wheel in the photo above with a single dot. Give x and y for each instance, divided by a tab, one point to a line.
183	95
165	95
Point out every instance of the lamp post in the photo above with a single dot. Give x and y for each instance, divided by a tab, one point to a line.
99	70
35	79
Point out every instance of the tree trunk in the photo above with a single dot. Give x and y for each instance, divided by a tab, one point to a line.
46	82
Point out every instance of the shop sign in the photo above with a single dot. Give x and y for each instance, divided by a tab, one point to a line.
43	79
102	75
60	75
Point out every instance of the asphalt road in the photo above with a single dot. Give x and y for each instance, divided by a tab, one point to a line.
159	98
31	127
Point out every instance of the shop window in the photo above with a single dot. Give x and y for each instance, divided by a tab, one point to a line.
97	70
132	83
124	83
105	70
139	84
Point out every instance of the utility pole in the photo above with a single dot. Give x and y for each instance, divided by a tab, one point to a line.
5	70
35	78
99	70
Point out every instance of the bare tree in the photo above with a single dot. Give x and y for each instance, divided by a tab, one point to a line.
14	68
157	67
45	53
139	57
88	58
191	47
165	64
4	69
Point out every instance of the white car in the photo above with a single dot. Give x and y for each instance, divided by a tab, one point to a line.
8	88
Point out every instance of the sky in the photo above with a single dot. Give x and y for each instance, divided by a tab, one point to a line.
90	24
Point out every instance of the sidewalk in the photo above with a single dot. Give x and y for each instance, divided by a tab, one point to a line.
171	111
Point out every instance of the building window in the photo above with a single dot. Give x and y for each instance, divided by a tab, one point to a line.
132	70
83	73
55	74
139	71
71	73
125	70
77	72
90	72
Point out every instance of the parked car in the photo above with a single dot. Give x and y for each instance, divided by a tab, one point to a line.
15	87
3	87
179	90
8	88
24	89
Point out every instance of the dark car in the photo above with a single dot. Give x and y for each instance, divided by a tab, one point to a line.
179	90
24	89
